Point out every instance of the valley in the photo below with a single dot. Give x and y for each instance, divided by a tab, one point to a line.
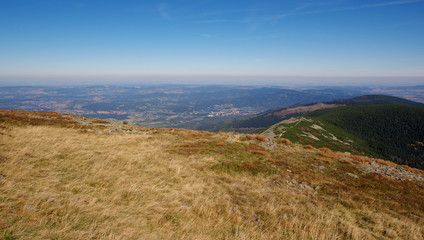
182	106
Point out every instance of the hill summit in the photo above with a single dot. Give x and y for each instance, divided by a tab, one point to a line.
70	177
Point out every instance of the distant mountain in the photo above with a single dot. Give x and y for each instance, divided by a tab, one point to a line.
274	116
391	131
376	99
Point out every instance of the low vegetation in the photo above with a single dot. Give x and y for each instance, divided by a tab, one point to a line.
63	177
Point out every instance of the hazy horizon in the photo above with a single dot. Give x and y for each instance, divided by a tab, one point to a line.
281	81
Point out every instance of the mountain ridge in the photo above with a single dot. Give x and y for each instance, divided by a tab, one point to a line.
274	116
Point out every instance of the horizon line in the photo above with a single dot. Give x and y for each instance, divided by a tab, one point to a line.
106	76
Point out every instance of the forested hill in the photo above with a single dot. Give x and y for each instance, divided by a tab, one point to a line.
393	132
274	116
376	99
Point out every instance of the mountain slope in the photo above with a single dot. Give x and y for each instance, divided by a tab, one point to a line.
376	100
70	177
277	115
392	132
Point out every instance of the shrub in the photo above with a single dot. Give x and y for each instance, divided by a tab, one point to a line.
387	163
325	150
260	138
249	137
346	160
326	160
7	235
284	141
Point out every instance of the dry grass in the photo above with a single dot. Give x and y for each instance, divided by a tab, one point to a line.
387	163
347	161
36	118
99	121
284	141
260	138
259	152
61	183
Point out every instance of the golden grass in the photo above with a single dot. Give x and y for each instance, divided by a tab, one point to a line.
350	162
36	118
100	121
260	138
284	141
61	183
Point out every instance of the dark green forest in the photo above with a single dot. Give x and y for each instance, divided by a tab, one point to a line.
268	118
392	132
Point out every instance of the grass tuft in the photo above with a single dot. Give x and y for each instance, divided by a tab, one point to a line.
260	138
8	235
284	141
99	121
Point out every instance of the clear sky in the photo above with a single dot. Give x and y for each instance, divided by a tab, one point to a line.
205	41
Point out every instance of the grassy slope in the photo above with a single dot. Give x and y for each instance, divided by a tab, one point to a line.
63	180
300	132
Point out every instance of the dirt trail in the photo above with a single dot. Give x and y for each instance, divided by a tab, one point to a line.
270	132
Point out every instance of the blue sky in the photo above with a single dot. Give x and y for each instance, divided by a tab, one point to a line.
207	41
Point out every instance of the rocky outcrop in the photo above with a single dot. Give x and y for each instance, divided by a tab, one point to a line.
398	173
